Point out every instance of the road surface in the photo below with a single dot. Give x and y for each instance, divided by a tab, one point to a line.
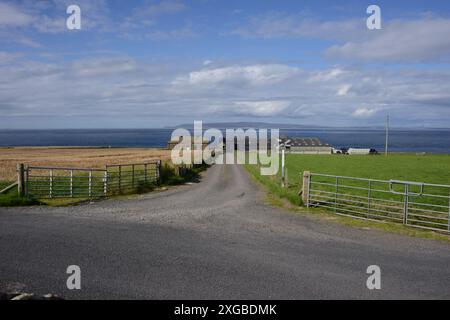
215	239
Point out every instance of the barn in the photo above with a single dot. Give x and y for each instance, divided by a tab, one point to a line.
305	146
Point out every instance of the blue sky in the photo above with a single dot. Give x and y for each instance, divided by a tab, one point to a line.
155	63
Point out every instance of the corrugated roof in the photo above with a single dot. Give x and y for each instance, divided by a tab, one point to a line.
303	142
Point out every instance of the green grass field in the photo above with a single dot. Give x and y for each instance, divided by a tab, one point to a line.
423	210
420	168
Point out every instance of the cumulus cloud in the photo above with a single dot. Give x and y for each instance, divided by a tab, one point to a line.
124	88
238	75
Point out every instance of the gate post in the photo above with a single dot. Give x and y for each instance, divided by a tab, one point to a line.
158	172
405	210
21	179
305	187
27	174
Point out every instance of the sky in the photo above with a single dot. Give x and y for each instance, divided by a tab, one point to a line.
152	63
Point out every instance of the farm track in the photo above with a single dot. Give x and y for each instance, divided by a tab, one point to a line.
215	239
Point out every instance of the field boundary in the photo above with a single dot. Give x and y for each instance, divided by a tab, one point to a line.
48	182
416	204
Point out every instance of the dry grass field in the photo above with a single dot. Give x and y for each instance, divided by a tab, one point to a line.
73	157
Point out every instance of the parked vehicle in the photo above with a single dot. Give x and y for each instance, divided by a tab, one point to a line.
340	150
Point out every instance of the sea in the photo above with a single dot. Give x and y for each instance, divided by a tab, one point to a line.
400	140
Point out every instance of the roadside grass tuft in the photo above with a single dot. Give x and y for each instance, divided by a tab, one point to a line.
12	199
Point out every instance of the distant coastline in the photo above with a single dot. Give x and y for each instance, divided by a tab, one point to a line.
401	140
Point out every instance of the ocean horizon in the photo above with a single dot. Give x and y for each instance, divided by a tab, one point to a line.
400	140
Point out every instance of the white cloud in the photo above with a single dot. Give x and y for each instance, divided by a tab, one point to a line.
46	24
6	57
237	75
10	15
364	112
411	41
123	88
260	108
185	32
284	25
402	40
326	75
343	90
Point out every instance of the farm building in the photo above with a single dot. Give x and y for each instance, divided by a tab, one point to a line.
172	143
361	151
305	146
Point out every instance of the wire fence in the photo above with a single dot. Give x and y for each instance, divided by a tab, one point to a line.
416	204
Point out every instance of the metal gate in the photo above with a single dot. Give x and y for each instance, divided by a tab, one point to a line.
56	182
52	182
417	204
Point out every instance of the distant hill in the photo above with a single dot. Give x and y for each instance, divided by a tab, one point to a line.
244	125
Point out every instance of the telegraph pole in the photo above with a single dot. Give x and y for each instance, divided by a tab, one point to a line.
387	136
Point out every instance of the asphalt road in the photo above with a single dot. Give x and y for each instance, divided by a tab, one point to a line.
216	239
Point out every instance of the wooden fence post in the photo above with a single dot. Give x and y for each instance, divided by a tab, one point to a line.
27	173
305	188
21	179
158	172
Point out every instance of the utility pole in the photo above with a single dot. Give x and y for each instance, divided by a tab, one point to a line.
387	136
283	182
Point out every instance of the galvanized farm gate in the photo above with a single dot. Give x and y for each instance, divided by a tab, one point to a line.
417	204
58	182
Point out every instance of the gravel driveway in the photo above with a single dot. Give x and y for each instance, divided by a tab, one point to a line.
215	239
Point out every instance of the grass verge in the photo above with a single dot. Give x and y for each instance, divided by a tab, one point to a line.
12	199
289	199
